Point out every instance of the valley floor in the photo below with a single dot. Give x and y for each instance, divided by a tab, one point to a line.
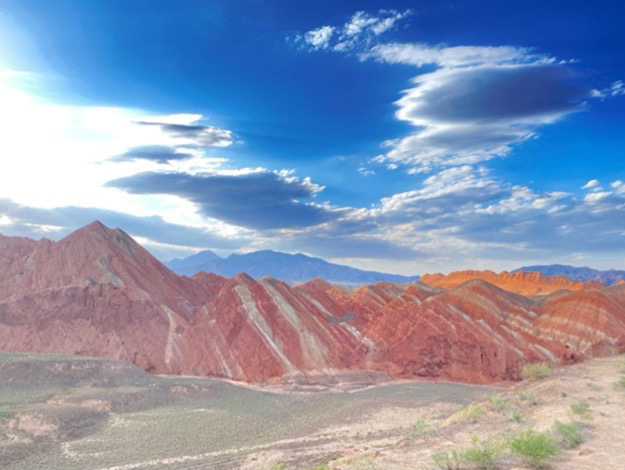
79	413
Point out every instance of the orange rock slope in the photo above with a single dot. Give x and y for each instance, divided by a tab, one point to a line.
97	292
525	283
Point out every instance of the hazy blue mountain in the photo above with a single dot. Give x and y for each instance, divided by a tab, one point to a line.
607	277
292	268
192	264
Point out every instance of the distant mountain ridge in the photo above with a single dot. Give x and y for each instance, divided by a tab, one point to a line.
296	268
606	277
521	282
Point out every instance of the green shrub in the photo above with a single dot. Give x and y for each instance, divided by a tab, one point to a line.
569	435
497	402
484	454
422	429
581	409
537	371
474	413
447	460
6	414
516	417
621	383
534	448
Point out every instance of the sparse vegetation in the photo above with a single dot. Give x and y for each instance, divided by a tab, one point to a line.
497	402
534	448
451	460
581	409
516	417
621	383
530	399
484	455
6	414
569	435
537	371
474	413
422	429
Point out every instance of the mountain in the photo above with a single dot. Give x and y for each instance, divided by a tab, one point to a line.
521	282
202	261
607	277
294	269
97	292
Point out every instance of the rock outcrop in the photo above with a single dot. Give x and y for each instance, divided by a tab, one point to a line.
99	293
520	282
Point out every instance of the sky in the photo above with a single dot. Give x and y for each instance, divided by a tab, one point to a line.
406	137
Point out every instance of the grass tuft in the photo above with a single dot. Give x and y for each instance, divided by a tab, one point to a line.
451	460
422	429
484	455
569	435
534	448
537	371
581	409
474	413
497	403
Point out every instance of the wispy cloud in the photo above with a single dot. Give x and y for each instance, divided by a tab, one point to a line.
194	135
477	104
156	153
56	222
359	32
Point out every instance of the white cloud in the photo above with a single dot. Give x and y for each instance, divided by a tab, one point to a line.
477	103
361	30
319	38
593	185
464	217
423	54
617	88
466	114
57	155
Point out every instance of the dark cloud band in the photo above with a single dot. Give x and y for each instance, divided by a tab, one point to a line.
259	200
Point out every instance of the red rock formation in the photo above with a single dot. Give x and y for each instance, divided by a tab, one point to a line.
97	292
520	282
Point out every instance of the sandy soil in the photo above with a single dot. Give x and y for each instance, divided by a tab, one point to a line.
383	440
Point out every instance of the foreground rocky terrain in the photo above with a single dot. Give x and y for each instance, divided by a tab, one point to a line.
77	413
99	293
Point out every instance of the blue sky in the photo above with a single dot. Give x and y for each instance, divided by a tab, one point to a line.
399	136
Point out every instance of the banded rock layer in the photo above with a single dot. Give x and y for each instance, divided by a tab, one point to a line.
99	293
521	282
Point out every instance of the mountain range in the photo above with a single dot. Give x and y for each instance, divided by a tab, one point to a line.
295	269
97	292
522	282
607	277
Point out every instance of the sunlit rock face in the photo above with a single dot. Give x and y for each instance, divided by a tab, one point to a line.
99	293
520	282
